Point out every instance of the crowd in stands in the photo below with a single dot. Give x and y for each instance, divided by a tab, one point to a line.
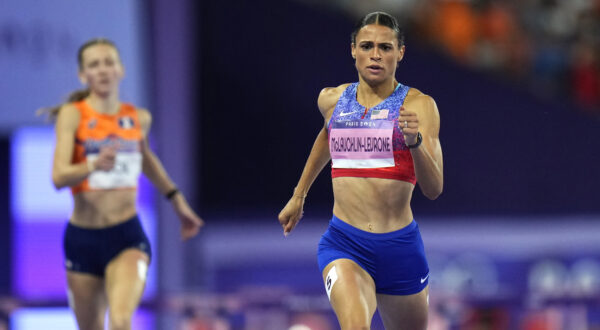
551	46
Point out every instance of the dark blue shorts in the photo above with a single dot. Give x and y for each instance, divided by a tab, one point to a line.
90	250
396	260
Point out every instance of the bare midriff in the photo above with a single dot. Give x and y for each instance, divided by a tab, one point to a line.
373	204
103	208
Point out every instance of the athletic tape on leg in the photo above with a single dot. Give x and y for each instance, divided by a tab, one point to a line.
142	268
330	281
71	299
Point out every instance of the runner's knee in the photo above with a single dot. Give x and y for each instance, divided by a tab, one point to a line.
120	321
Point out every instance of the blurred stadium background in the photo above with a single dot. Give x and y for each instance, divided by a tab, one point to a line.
513	242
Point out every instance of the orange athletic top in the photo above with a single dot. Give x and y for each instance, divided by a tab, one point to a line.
121	131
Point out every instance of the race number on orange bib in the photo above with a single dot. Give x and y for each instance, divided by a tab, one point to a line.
125	174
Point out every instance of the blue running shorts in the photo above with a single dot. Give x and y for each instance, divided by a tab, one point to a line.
90	250
395	260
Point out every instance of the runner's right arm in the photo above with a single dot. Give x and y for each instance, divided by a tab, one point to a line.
318	158
64	172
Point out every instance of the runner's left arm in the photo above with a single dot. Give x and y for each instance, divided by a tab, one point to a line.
154	170
423	117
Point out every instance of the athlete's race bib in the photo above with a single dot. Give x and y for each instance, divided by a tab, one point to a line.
361	144
125	174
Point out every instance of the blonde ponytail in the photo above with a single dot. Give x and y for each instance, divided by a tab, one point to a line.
52	112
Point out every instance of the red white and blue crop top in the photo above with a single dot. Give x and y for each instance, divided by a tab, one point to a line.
368	143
